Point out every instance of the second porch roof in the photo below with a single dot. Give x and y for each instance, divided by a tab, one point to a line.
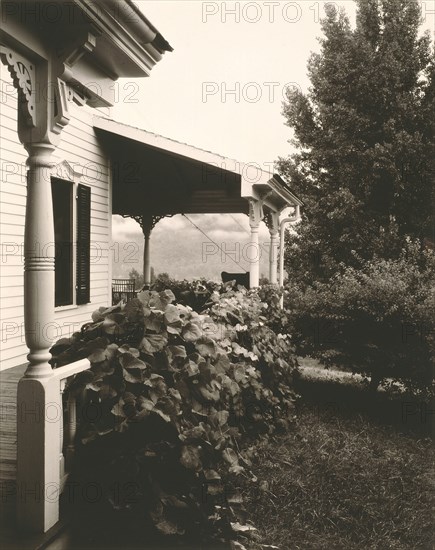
158	176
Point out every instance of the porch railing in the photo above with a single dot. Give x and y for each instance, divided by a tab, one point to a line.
123	289
42	471
68	425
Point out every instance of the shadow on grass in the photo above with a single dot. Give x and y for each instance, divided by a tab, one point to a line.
334	395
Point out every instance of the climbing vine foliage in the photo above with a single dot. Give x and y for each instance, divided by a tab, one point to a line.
180	399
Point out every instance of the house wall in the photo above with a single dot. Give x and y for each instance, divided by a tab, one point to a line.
81	149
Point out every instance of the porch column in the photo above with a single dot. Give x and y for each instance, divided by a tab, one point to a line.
147	257
255	216
39	255
39	406
147	221
273	252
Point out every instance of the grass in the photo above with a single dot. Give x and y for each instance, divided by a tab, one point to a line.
340	482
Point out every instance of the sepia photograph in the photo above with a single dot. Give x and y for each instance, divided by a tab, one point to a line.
217	274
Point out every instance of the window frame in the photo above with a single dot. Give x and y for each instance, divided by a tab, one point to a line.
64	171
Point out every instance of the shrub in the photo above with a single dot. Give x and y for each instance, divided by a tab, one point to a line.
179	397
195	294
377	320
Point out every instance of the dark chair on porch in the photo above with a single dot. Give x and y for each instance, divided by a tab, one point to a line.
123	289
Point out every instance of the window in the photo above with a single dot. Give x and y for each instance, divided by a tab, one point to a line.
66	277
63	232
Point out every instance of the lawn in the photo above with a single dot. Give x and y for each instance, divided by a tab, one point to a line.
343	481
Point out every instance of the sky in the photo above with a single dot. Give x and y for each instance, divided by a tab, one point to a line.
222	87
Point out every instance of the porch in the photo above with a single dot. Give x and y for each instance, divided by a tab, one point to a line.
225	190
154	177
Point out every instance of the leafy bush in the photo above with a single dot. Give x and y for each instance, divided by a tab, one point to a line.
377	320
195	294
179	397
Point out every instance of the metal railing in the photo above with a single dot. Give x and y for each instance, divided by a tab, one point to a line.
123	289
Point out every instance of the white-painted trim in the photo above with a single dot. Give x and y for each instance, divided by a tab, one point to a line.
110	215
66	308
71	369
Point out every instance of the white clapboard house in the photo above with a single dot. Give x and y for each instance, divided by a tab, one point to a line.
66	168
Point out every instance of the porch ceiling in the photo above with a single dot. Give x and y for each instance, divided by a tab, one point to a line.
159	176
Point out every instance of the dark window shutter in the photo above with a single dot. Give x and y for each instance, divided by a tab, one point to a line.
83	244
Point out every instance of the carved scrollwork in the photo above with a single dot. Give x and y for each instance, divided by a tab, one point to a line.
148	221
22	72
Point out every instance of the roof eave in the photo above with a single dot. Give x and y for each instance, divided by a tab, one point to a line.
138	42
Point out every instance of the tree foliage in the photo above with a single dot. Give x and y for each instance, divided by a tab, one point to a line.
138	277
377	320
364	140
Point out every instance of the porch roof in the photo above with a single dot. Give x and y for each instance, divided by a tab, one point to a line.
156	175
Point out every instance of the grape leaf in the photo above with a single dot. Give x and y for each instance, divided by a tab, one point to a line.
191	457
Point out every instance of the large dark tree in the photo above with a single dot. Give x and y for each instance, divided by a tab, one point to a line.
364	140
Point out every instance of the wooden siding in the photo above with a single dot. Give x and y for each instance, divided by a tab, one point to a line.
81	149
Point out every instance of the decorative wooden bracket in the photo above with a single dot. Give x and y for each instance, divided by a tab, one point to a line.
64	93
271	219
23	76
86	45
256	212
68	56
63	96
148	221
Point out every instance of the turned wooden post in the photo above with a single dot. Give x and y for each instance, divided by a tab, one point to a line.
255	217
71	432
61	436
39	254
39	402
273	252
147	256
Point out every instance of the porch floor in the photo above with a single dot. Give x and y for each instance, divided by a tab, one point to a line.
8	422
